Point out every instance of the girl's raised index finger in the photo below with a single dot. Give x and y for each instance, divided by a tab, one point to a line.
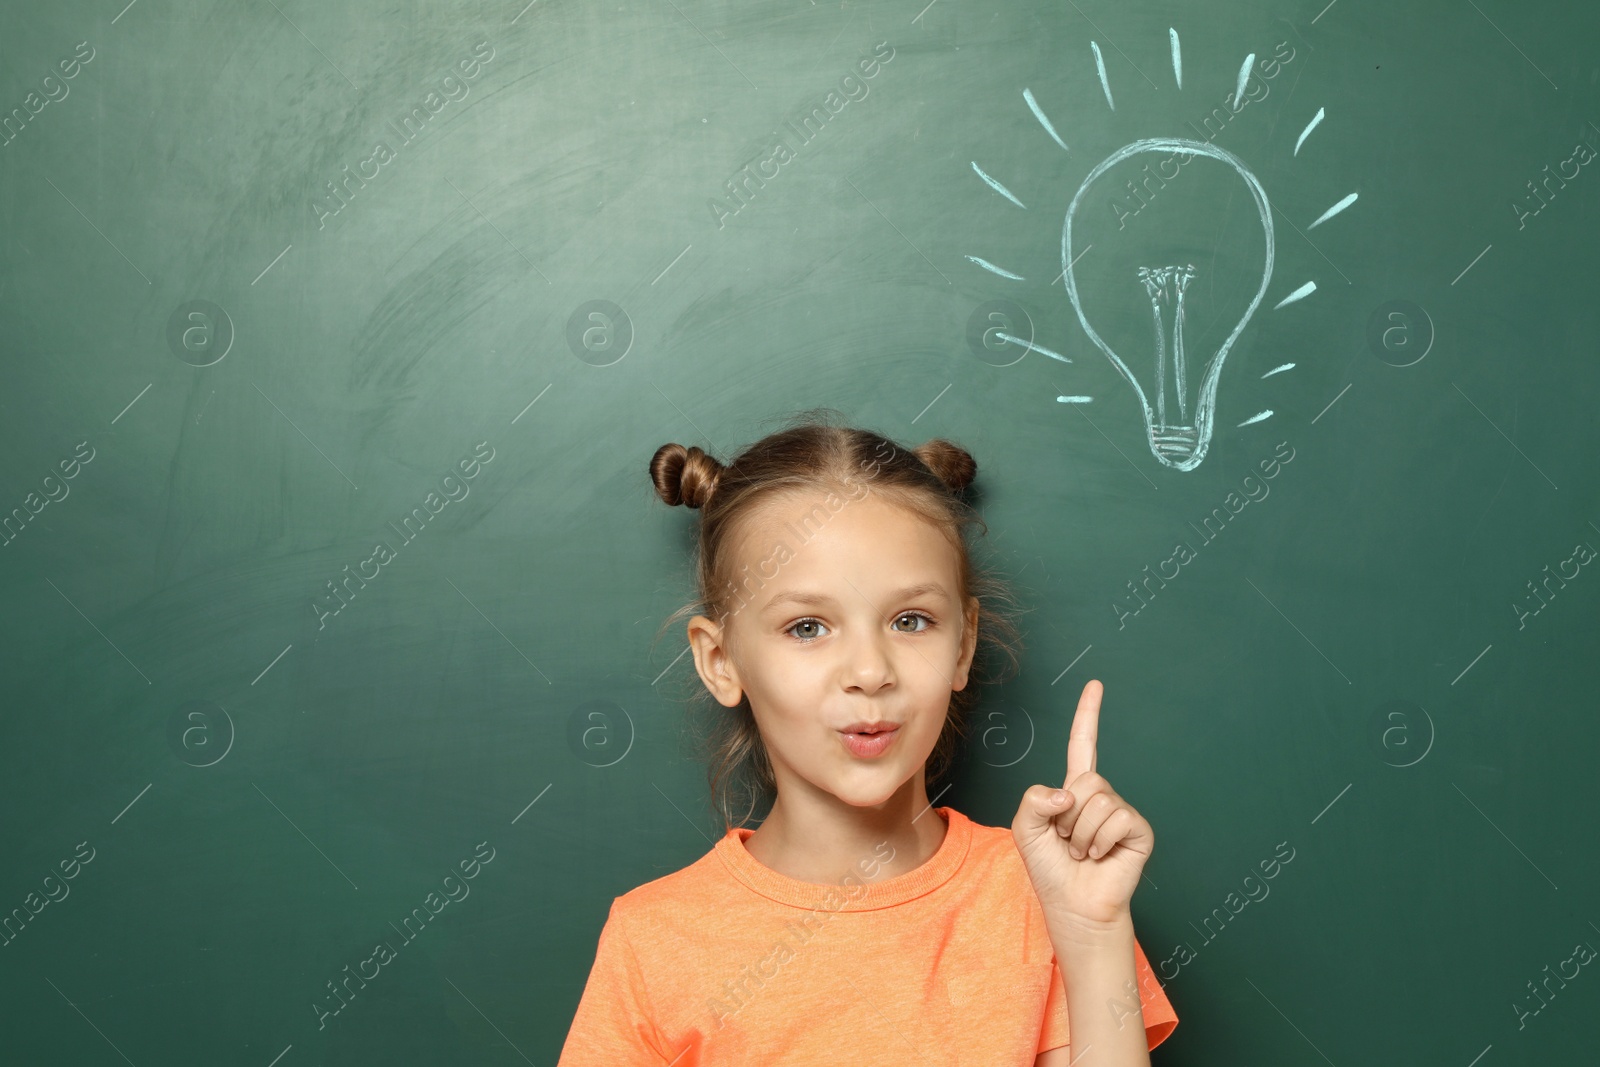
1081	742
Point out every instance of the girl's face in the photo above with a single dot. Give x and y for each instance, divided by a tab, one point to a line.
846	613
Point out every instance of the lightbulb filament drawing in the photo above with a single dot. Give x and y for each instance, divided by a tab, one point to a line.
1165	285
1179	431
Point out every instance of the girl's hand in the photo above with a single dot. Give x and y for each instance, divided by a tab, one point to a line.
1084	856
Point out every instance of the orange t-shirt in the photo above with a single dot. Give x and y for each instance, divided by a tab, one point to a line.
729	962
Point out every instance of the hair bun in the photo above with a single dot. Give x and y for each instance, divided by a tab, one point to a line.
953	464
685	476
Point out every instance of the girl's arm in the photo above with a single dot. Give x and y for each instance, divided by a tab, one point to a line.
1097	968
1085	847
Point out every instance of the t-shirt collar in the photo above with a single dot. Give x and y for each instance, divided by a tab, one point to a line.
858	893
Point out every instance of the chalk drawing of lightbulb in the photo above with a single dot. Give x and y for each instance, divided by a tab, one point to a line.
1177	401
1180	419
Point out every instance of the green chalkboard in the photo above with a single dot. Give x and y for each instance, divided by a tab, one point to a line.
337	338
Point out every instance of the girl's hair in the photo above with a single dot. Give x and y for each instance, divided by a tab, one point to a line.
812	455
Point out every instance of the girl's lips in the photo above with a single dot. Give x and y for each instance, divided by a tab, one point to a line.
866	746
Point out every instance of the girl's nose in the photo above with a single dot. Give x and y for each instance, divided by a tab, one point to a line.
868	667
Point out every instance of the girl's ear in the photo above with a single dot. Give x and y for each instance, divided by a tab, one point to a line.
969	644
712	662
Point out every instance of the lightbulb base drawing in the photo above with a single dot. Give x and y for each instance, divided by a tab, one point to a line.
1175	445
1179	422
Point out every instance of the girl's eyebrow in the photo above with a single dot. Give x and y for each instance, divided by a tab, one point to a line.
824	600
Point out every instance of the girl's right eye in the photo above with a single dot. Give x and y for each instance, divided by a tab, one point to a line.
804	622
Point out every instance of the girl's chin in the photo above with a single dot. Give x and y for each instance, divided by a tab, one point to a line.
873	788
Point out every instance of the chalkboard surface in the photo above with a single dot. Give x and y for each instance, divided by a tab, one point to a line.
337	338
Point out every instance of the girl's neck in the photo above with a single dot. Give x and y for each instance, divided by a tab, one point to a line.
815	837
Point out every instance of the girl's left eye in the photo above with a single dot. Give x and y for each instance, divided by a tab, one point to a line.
916	615
817	624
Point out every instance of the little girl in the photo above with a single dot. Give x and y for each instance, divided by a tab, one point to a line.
857	923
